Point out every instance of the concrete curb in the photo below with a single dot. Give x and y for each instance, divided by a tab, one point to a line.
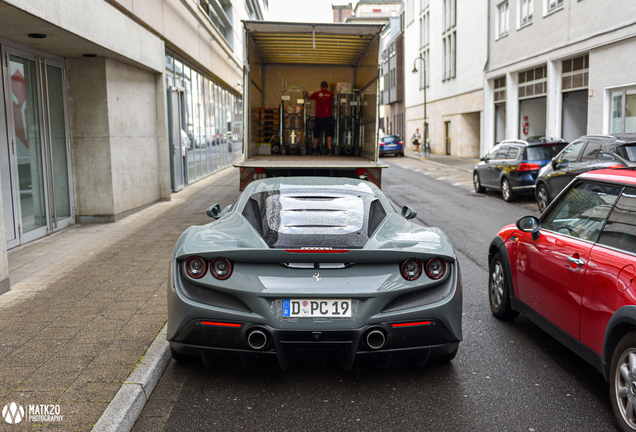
428	160
129	402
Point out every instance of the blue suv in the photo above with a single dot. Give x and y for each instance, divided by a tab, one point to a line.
512	166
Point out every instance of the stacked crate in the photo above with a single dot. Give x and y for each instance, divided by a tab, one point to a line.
266	120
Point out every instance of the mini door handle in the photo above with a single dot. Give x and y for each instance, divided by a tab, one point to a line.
579	262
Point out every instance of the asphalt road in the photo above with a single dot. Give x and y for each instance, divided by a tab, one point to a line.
507	376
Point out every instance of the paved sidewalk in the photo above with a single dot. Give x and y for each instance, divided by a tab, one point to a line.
86	303
463	164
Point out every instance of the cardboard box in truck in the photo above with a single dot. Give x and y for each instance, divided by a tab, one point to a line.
280	55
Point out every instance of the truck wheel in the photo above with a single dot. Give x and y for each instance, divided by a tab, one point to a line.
357	152
283	150
337	151
303	151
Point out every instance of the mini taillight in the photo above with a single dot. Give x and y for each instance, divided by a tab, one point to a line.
436	268
195	267
525	166
401	143
411	269
221	268
382	143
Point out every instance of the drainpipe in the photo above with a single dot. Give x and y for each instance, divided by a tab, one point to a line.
487	39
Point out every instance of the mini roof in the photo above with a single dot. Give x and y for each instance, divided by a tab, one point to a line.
617	175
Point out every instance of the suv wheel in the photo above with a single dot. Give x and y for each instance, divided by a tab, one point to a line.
543	197
506	191
476	183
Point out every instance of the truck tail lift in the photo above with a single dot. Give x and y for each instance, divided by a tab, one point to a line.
293	117
348	122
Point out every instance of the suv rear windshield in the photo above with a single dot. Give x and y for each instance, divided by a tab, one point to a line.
543	152
391	139
627	151
297	218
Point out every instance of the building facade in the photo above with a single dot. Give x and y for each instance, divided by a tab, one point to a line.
392	117
374	11
341	12
559	68
445	42
110	106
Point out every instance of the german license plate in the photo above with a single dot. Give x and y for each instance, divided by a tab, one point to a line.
312	308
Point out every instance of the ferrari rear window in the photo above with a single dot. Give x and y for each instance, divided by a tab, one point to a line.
314	217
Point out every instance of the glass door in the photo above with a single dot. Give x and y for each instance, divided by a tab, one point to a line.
37	193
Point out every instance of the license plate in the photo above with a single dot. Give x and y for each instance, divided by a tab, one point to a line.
308	308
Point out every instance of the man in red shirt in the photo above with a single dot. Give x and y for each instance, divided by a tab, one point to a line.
324	116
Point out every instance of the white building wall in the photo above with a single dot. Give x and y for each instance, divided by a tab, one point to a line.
606	30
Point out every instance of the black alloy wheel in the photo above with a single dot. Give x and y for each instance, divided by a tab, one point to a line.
477	184
623	382
498	290
543	197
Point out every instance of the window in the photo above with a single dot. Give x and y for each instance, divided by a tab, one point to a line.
533	83
501	154
571	152
513	152
424	44
623	111
502	19
500	89
449	41
574	73
220	14
553	4
526	8
582	212
620	230
591	153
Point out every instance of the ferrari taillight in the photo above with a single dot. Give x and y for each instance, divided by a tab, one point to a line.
436	268
411	269
221	268
195	267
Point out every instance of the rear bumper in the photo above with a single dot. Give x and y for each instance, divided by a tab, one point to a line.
395	150
432	338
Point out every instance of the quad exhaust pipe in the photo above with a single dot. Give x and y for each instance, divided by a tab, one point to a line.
257	339
376	339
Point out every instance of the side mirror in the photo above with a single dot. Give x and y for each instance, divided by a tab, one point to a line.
408	212
214	211
483	158
555	163
529	224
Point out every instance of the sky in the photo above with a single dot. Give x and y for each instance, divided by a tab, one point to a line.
303	10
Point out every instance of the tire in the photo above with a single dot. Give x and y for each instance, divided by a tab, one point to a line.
401	154
498	289
622	382
477	184
506	191
543	197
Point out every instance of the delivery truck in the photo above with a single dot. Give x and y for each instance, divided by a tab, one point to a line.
282	57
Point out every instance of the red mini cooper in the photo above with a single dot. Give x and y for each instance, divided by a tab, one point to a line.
571	271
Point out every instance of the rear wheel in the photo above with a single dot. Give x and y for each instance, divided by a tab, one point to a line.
506	191
623	382
498	290
476	183
543	197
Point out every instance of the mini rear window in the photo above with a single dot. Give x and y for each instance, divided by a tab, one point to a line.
314	217
543	152
391	139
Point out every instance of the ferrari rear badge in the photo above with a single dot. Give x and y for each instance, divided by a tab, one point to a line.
317	276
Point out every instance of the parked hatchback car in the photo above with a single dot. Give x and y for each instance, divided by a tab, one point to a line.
314	266
572	270
590	152
391	144
512	166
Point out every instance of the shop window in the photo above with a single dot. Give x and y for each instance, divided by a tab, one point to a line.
623	111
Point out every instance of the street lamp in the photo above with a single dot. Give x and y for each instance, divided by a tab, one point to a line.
425	123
